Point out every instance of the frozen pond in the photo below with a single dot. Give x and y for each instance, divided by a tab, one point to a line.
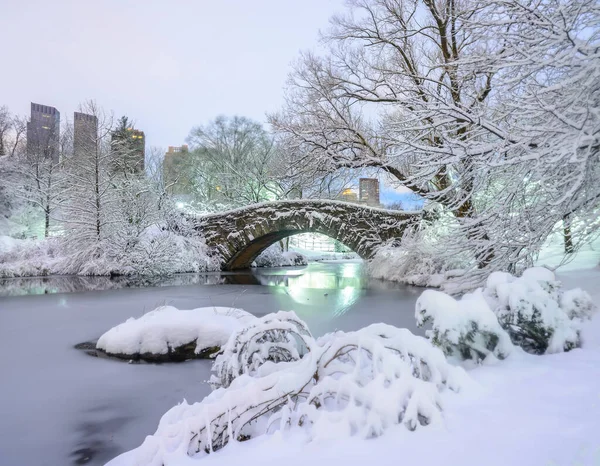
59	406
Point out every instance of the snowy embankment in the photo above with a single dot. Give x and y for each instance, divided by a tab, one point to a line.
530	396
169	334
157	252
418	262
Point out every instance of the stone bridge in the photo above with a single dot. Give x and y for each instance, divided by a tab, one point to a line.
239	236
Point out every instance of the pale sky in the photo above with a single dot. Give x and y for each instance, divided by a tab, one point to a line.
168	64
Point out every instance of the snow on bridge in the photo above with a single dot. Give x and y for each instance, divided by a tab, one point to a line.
239	236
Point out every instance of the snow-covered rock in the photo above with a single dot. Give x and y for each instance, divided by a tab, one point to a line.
170	334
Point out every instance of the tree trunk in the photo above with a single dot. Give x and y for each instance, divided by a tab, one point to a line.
97	193
567	235
46	222
484	253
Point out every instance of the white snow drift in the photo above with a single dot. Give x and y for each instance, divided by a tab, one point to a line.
167	327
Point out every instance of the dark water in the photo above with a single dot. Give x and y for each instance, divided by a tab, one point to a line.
59	406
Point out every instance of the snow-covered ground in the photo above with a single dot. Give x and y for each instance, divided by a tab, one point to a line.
527	409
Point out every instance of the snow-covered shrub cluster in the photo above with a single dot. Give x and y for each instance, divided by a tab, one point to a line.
157	250
531	311
28	257
536	312
275	376
275	256
465	329
168	333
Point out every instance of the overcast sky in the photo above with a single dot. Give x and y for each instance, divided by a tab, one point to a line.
168	64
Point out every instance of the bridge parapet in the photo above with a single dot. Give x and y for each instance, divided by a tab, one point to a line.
239	236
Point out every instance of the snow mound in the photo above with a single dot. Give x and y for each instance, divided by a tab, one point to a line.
274	256
168	333
278	377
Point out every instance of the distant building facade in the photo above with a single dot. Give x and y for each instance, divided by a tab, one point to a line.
85	133
368	191
43	132
176	170
348	195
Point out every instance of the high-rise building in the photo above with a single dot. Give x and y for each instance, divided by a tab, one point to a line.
368	191
85	133
43	132
176	170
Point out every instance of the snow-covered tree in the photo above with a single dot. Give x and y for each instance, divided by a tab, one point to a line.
37	180
455	100
92	201
232	162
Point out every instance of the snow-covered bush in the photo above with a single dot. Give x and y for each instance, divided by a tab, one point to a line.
28	257
344	384
170	334
156	251
536	312
275	256
417	259
465	329
276	338
531	311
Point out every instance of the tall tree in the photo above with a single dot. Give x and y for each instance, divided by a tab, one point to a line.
422	90
88	213
233	161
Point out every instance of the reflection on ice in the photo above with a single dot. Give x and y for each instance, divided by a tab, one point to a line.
315	276
76	283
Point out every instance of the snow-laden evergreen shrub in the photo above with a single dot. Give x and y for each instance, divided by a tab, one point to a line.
531	311
536	312
275	376
464	329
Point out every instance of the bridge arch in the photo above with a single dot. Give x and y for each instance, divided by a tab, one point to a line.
239	236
